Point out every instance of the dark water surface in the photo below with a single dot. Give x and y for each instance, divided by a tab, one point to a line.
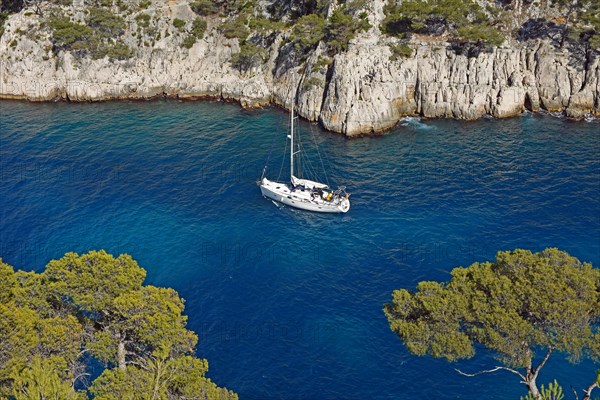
288	304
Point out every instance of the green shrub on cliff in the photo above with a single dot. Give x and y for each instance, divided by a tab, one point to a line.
143	20
249	56
240	6
95	39
337	31
92	314
264	26
114	51
235	28
312	82
188	42
3	18
67	34
401	50
308	31
204	7
340	29
465	20
196	32
106	23
198	28
481	33
342	25
586	27
179	23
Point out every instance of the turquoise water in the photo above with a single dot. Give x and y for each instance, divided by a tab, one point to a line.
287	304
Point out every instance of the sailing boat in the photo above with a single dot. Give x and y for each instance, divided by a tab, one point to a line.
303	193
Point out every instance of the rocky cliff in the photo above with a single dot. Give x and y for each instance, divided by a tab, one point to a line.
359	91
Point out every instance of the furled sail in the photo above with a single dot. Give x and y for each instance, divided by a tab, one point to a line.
308	184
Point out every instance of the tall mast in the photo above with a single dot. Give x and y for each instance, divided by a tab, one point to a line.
292	130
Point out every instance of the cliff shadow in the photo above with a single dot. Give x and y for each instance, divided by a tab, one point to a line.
287	58
468	49
540	28
580	52
12	6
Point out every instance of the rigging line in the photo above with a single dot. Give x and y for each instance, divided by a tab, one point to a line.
283	158
311	164
309	167
312	132
305	163
282	161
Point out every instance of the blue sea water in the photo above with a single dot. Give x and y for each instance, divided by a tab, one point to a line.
288	304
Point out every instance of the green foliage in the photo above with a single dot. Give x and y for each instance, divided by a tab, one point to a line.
95	39
105	23
521	303
553	392
481	33
595	41
312	82
406	17
183	377
8	282
35	349
92	281
588	22
465	20
143	20
323	61
198	28
400	50
342	26
96	304
42	380
188	42
308	31
66	34
196	32
3	18
32	292
114	51
240	6
264	26
204	7
250	56
340	30
235	28
179	23
143	4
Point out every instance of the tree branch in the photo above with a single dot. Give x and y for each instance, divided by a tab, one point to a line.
142	366
82	352
537	370
588	391
493	370
79	376
575	392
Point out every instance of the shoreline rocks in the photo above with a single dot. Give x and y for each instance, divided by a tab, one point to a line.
361	91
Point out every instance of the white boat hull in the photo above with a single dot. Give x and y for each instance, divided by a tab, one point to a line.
304	199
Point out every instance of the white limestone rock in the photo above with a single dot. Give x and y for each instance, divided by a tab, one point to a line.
361	91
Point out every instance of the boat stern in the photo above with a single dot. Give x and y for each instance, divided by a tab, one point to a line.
344	205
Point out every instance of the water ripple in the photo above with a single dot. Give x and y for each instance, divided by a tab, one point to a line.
288	304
